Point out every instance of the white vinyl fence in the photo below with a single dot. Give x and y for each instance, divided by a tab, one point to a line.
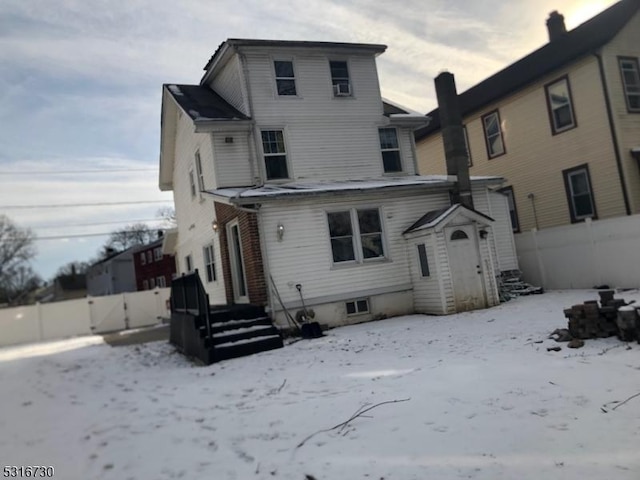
84	316
582	255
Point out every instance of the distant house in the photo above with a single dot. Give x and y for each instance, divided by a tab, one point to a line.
293	179
153	268
562	124
114	274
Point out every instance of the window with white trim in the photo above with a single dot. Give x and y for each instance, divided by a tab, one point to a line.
152	283
356	235
493	134
209	262
275	154
160	282
560	105
145	285
143	259
149	258
340	78
198	161
577	184
357	307
390	150
630	72
192	184
285	78
157	254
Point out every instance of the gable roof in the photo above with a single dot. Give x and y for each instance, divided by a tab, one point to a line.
202	103
436	217
580	41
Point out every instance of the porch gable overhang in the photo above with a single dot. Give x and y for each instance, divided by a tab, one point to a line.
436	220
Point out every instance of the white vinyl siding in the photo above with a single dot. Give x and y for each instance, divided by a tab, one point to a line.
228	83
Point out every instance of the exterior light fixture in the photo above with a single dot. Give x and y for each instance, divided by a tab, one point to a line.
214	226
483	234
280	231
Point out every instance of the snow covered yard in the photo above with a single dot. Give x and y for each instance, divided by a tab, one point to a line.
485	402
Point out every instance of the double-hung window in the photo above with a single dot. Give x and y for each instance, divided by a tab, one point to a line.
577	184
275	154
143	259
199	171
157	254
630	72
493	134
340	78
356	235
285	78
160	281
390	150
209	263
560	105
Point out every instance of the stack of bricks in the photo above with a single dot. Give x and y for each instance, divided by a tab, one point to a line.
588	320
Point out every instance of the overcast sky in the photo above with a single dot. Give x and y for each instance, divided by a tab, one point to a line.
80	86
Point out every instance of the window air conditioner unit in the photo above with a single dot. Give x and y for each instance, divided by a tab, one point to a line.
342	90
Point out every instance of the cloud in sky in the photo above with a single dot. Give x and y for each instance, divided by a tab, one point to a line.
81	81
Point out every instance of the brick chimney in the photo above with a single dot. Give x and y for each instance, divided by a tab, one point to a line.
455	150
555	25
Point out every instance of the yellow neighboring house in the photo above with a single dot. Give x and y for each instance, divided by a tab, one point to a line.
562	124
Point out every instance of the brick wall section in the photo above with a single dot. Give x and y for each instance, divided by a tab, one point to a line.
166	267
251	253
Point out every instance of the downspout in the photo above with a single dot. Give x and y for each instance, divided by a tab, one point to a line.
258	179
614	138
266	271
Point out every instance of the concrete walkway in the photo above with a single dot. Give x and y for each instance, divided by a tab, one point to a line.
154	333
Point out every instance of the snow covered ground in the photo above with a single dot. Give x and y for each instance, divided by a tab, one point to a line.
483	402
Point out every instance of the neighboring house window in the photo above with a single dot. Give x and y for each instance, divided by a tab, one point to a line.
148	256
275	155
630	72
199	172
356	235
424	263
143	259
285	79
161	282
209	263
157	254
145	285
493	134
577	183
152	283
192	184
188	263
560	105
511	202
357	307
467	146
390	150
340	78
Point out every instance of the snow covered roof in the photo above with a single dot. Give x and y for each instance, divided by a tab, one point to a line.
245	195
435	217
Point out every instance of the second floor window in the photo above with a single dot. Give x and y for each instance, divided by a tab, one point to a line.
199	171
560	105
285	79
340	78
390	150
275	154
157	254
630	82
493	134
143	259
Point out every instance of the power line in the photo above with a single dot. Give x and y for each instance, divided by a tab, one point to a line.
71	205
73	172
41	227
80	235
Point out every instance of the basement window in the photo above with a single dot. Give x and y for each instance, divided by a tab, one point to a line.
357	307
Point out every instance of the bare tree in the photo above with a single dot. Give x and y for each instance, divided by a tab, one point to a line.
16	250
17	287
168	215
72	268
136	234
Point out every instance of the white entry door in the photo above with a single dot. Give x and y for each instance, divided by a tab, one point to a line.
238	278
466	268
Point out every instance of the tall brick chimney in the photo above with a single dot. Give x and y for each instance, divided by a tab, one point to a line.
555	26
455	150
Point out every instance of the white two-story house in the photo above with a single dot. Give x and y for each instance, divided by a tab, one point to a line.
293	180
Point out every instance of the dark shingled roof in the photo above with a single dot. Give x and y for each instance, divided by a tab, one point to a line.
580	41
436	214
202	103
389	109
